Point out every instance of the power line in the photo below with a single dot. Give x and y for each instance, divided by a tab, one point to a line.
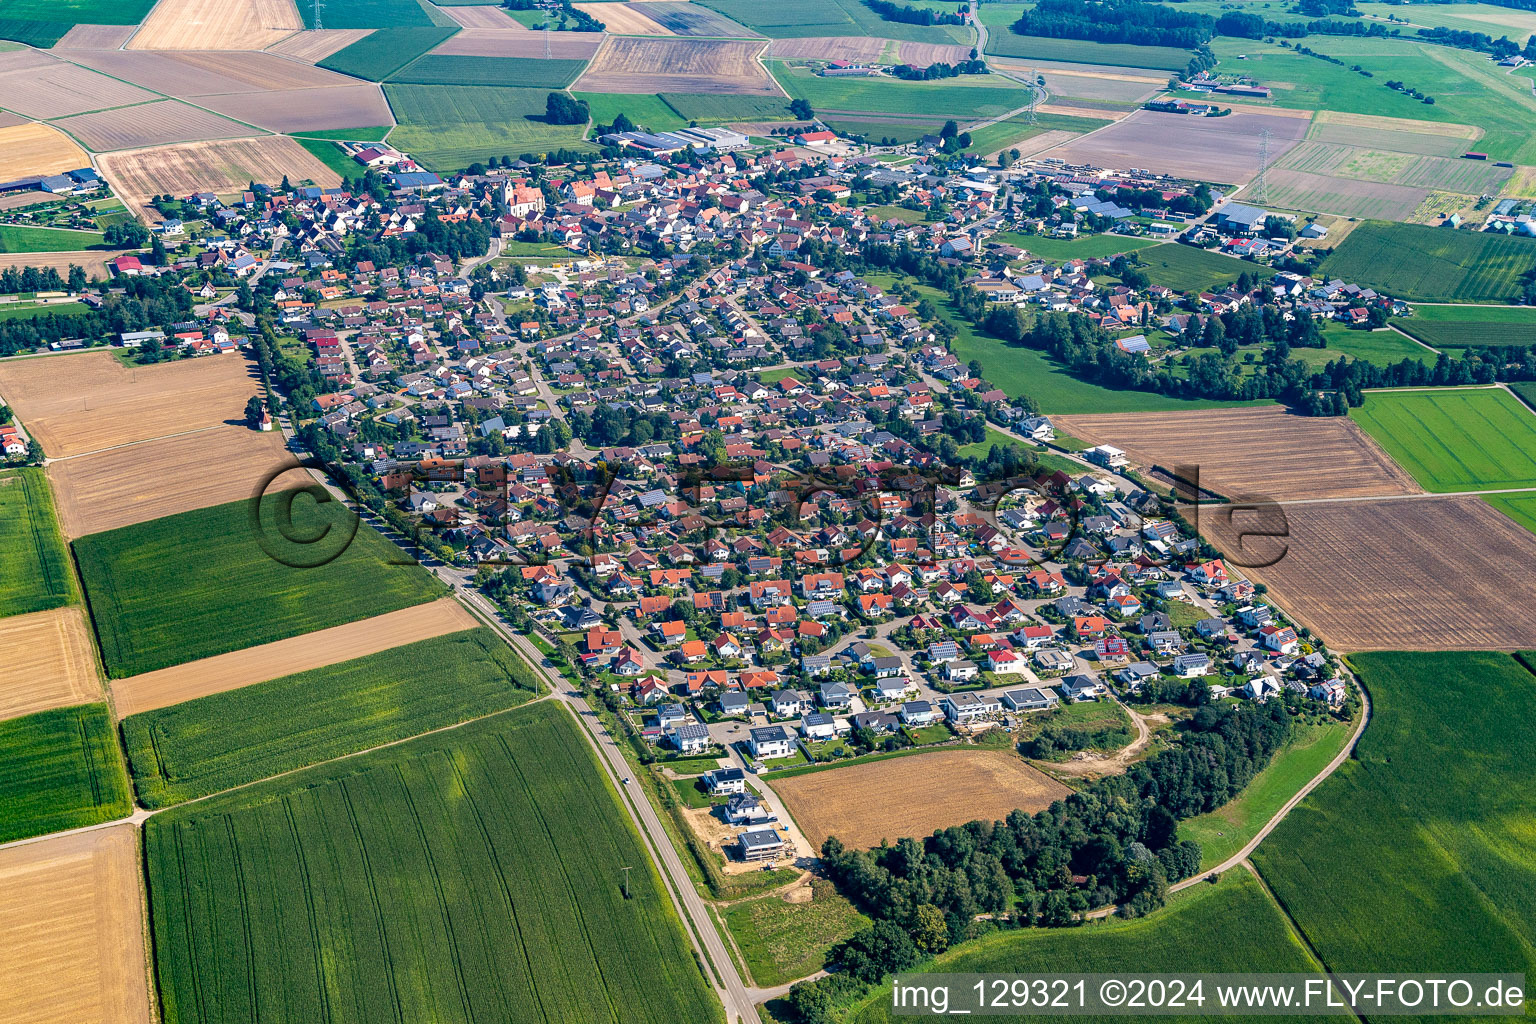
319	22
1260	193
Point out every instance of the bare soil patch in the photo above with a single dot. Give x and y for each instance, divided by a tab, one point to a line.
93	262
317	44
854	48
89	401
1244	453
160	123
29	149
95	37
494	42
231	671
624	20
72	927
213	167
46	662
159	478
492	17
913	796
630	64
49	88
1224	149
1412	574
217	25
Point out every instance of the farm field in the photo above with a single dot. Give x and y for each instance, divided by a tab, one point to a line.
1431	797
1373	574
1223	832
1262	451
650	64
195	679
189	74
89	12
791	19
202	583
849	48
1069	83
785	936
373	14
221	167
94	263
380	54
1433	265
1222	149
1382	347
46	661
1519	507
484	16
486	42
151	479
1005	43
1185	268
912	796
305	110
524	72
690	19
84	402
59	770
1455	439
311	47
27	149
388	882
727	107
1466	17
452	126
216	25
1446	172
35	573
1471	326
39	86
958	97
254	732
72	927
1230	927
625	19
1290	189
96	37
160	123
648	111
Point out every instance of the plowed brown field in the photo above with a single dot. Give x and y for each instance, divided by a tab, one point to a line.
89	401
216	25
854	48
195	679
163	122
72	930
1409	574
1246	453
95	37
46	662
212	167
488	17
912	796
51	88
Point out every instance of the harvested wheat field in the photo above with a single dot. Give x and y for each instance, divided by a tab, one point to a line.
46	662
29	149
72	928
306	110
212	167
93	262
912	796
95	37
167	686
1246	453
163	122
1409	574
188	73
10	120
492	42
50	88
624	20
159	478
84	402
920	55
490	17
630	64
854	48
1208	148
216	25
317	44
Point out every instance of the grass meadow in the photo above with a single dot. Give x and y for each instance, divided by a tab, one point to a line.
649	112
1230	927
1083	247
969	96
34	563
202	583
795	19
783	941
449	127
380	54
1418	853
469	876
228	739
1413	262
724	107
60	770
1185	268
1003	42
1382	347
1455	439
15	238
332	155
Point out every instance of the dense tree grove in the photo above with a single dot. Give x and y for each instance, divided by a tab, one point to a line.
456	241
1116	21
40	279
561	108
143	303
913	15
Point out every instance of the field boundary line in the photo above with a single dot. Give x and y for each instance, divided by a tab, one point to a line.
1294	927
1416	341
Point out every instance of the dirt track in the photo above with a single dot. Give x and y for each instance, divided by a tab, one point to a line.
46	662
296	654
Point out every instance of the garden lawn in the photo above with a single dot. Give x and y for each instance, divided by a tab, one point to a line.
35	573
1418	854
202	583
1455	439
783	941
60	770
473	875
225	740
1226	830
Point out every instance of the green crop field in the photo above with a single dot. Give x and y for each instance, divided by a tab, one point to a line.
380	54
60	770
372	14
650	112
1455	439
1413	262
1472	326
14	238
794	19
228	739
969	96
1187	269
1230	927
1519	507
1226	830
79	12
1084	247
202	583
721	107
472	875
375	134
1418	853
783	941
449	127
527	72
333	156
1004	42
34	564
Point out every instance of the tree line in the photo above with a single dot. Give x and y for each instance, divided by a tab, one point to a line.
1116	21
